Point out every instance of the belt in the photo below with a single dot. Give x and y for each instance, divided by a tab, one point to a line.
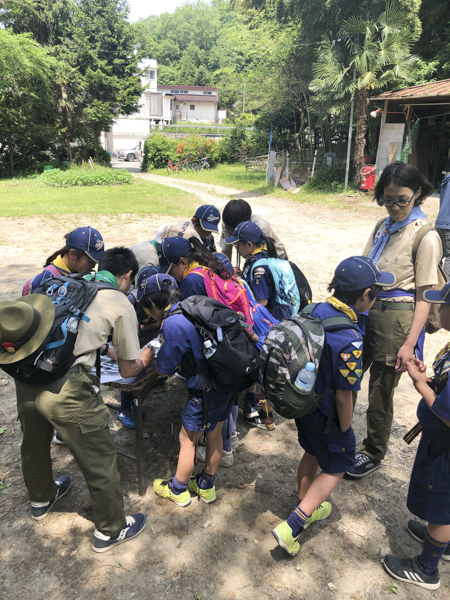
77	369
382	305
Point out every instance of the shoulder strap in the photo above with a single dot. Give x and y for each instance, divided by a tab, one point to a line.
103	285
333	322
259	263
419	237
377	226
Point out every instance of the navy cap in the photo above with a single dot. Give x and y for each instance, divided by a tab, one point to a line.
224	260
156	283
438	296
247	231
209	217
171	250
359	272
144	274
87	239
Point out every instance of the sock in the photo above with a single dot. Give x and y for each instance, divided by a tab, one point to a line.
249	402
431	554
205	481
178	487
296	521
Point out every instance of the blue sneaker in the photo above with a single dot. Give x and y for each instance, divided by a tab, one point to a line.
135	524
126	420
40	510
57	439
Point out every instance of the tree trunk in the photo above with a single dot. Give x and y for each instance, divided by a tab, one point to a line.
68	147
11	157
297	136
362	101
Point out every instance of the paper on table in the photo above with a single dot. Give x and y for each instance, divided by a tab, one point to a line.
109	370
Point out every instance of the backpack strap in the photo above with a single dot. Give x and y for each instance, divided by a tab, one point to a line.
334	322
377	226
103	285
419	237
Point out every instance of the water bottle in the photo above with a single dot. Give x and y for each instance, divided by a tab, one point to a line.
306	378
209	349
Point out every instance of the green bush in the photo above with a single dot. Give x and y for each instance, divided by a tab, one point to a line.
84	176
230	148
158	150
326	179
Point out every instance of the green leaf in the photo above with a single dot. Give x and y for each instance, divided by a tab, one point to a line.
117	563
3	429
394	589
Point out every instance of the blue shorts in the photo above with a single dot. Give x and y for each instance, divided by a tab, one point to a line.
335	451
429	488
219	409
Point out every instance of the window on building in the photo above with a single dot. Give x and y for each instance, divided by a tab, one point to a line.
156	105
152	74
174	91
207	93
192	106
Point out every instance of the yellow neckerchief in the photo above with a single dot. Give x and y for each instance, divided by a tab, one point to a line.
441	352
260	248
166	310
61	265
192	265
338	305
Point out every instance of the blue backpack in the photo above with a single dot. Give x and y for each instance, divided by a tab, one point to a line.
287	293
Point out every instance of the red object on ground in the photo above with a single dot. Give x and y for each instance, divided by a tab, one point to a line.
368	178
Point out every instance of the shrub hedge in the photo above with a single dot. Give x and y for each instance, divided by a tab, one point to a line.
85	176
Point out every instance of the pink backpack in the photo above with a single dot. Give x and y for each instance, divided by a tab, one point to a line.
27	287
230	292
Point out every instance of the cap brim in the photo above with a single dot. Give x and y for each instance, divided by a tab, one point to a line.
208	226
386	279
94	255
434	297
232	240
165	268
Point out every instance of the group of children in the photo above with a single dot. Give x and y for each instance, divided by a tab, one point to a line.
181	262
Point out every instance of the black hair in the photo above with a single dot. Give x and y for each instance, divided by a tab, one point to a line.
403	175
63	251
271	248
205	258
350	297
163	298
119	261
235	212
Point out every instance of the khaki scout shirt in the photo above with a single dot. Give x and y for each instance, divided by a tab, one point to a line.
265	227
111	313
396	258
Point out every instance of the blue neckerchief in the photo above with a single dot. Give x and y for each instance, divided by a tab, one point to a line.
391	227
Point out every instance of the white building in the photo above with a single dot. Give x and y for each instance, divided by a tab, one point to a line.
161	104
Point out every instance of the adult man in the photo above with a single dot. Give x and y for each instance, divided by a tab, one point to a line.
73	404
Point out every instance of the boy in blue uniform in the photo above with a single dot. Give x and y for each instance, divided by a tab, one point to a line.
429	488
356	283
182	344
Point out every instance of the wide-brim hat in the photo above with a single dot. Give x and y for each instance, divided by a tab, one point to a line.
24	325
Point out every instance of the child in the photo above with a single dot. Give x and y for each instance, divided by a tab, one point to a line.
181	343
356	283
429	488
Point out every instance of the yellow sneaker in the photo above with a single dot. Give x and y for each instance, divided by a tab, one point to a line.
283	534
208	496
162	488
321	513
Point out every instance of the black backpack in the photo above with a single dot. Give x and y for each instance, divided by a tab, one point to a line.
303	286
71	296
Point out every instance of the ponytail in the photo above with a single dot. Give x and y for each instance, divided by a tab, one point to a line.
63	251
205	258
271	248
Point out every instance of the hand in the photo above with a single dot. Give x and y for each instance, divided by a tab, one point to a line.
417	370
147	355
405	354
237	272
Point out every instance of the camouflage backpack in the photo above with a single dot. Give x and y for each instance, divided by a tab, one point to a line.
286	350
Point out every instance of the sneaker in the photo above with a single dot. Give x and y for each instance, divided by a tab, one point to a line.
162	488
321	513
409	571
235	440
58	439
283	534
40	510
227	458
418	531
126	420
364	466
202	440
208	496
254	420
135	525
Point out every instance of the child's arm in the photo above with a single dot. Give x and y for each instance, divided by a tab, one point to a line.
344	407
417	373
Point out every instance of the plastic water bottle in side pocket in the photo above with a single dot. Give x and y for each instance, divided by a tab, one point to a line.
306	378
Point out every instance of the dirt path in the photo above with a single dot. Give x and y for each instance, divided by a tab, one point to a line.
223	551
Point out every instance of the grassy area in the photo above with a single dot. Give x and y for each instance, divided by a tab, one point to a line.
28	197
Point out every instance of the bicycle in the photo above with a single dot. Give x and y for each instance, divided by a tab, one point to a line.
203	164
172	168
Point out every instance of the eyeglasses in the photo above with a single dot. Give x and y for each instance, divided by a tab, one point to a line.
400	203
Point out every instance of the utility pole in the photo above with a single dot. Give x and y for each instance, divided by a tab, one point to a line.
350	134
243	103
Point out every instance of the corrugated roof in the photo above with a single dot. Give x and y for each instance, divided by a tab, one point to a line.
438	89
188	87
191	98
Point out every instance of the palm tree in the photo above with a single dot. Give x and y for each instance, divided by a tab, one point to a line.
368	55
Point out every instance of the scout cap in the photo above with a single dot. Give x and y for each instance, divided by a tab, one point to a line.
224	260
24	325
142	277
359	272
209	217
171	250
247	231
438	296
87	239
156	283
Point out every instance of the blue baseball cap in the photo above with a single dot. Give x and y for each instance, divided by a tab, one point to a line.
158	282
224	260
247	231
143	276
171	250
209	217
359	272
87	239
438	296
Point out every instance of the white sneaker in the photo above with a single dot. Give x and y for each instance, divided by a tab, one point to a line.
235	440
227	458
57	439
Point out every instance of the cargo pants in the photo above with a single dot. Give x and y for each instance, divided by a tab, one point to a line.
74	407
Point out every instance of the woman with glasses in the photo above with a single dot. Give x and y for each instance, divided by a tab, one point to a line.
395	324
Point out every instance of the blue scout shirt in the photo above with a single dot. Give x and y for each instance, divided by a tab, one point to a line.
193	285
439	385
443	218
341	363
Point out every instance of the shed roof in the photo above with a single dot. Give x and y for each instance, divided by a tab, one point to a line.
192	98
433	92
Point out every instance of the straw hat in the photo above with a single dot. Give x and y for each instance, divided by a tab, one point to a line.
24	325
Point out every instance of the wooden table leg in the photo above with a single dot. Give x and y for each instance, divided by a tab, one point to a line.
138	397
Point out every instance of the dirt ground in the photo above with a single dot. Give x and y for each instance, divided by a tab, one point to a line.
225	550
